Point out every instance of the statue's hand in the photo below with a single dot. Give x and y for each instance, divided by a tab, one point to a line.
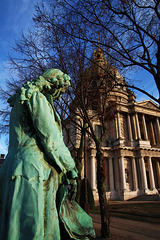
73	174
73	190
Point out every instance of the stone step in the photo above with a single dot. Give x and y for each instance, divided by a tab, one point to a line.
146	197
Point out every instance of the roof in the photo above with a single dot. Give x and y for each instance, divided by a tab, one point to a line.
149	104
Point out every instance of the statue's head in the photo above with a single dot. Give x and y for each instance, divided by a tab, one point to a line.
58	82
52	81
57	78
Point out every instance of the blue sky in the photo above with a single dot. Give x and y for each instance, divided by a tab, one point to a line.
144	80
15	17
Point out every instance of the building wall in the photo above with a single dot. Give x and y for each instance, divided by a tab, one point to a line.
131	151
135	158
131	147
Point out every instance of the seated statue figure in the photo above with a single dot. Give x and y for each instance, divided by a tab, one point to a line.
35	203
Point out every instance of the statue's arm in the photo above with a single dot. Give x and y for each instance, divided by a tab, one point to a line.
50	137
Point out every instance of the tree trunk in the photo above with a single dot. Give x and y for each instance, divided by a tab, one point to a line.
79	168
104	208
78	161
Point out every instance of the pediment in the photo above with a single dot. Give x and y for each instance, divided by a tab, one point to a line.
148	104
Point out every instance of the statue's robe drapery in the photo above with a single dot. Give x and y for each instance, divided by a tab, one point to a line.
30	175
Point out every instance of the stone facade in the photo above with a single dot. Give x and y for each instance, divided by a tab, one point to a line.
131	147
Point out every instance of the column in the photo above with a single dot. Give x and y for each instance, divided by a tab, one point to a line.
158	129
134	174
134	127
117	173
143	173
152	133
144	127
111	176
138	127
93	173
123	178
118	125
129	128
151	175
158	173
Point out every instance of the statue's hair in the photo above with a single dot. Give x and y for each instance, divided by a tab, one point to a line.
52	78
51	75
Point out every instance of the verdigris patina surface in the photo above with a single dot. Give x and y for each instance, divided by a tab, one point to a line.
35	204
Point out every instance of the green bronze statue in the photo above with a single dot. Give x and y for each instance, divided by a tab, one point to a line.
35	203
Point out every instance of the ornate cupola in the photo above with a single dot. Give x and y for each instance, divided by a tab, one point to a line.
105	75
100	64
99	55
